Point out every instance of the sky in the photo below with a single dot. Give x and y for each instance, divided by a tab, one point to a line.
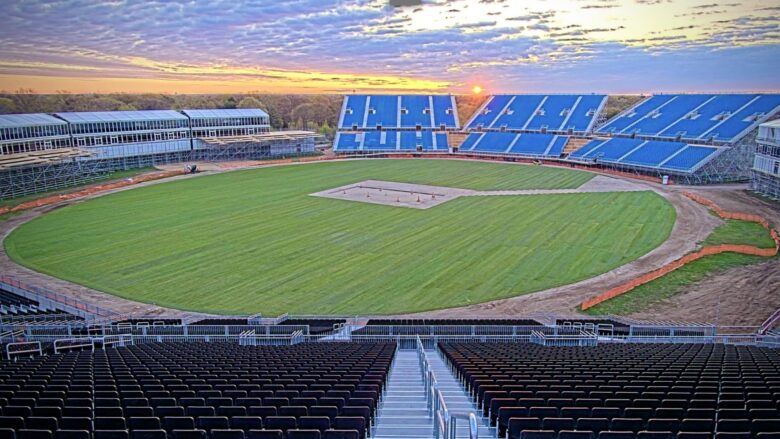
411	46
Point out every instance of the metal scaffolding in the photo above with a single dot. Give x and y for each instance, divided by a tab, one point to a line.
43	176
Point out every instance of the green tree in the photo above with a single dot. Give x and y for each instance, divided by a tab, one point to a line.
230	103
252	102
7	106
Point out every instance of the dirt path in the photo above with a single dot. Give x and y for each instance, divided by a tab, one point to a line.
736	297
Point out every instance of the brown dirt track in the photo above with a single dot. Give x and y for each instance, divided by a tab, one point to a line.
748	294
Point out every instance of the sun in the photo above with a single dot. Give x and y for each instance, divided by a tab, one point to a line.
476	90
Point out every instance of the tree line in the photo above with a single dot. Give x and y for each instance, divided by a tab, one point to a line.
311	112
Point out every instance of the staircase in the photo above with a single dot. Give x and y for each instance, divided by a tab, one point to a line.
574	144
403	412
456	398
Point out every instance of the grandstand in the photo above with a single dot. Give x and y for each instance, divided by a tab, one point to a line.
228	378
21	133
109	134
563	114
697	118
228	123
41	152
695	138
368	112
531	126
387	123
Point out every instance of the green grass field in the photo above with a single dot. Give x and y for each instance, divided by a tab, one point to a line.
663	288
254	241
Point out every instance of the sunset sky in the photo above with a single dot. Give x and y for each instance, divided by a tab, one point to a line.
316	46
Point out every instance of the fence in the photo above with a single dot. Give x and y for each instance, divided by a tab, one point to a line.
583	338
690	257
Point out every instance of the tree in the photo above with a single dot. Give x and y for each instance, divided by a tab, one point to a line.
252	102
7	106
27	101
230	103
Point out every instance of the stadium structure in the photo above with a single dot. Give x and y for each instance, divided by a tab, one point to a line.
43	152
766	167
75	368
686	138
387	123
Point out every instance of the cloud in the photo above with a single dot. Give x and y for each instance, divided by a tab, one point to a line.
310	45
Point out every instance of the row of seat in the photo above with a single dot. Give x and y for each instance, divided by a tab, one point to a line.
161	388
179	434
622	387
569	434
516	425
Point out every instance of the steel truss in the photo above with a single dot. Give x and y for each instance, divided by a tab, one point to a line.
26	180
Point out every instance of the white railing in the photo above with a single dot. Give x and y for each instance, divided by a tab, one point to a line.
770	323
445	423
583	338
66	344
24	347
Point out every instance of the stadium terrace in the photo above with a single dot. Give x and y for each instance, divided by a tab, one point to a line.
126	335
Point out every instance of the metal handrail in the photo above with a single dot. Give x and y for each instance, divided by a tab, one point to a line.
28	347
444	422
77	343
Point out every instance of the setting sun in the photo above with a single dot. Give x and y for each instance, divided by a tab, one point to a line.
476	90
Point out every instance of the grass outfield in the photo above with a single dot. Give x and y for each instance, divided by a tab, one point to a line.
254	241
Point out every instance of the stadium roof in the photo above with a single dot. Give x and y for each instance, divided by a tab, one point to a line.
121	116
28	120
771	124
213	114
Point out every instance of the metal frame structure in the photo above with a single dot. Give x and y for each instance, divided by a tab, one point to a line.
765	172
23	180
32	132
227	123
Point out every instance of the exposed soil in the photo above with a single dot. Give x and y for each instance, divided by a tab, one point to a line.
741	296
745	295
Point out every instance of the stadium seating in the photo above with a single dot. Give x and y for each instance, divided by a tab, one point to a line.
662	155
391	140
622	390
556	113
22	309
698	117
522	144
394	111
193	390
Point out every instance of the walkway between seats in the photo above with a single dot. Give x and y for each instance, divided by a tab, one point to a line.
403	412
456	398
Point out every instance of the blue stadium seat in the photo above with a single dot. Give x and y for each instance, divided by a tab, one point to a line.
696	117
560	113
